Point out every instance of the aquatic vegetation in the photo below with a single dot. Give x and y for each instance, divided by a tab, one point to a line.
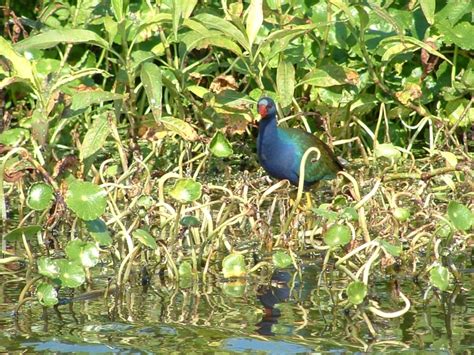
127	143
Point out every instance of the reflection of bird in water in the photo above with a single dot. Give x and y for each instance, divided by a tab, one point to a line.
278	292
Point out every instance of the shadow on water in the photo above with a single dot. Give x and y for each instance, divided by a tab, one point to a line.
279	314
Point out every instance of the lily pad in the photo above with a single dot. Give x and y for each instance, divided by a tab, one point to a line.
190	221
48	267
233	265
220	146
235	288
401	213
47	295
337	235
439	277
71	274
86	199
98	230
185	269
186	190
387	150
461	216
40	196
145	238
87	254
356	292
281	259
28	231
145	201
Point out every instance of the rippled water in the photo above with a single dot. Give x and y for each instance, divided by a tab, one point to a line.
284	315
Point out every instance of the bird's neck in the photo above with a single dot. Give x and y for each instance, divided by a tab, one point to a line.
268	126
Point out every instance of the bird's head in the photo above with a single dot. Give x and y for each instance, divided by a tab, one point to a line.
266	107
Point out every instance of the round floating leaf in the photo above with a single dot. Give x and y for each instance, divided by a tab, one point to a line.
350	213
393	250
401	213
233	265
71	274
87	254
48	267
461	217
439	277
28	231
14	136
444	229
356	292
190	221
186	190
220	146
281	260
86	199
40	196
98	230
185	269
145	238
47	295
145	201
234	288
387	150
337	234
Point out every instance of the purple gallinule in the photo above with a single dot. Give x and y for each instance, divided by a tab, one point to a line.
280	150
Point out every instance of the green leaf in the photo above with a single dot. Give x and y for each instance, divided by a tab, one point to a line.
254	19
460	35
428	7
28	231
224	26
47	294
186	190
117	9
356	292
95	137
98	230
285	82
439	277
350	213
185	269
387	150
331	216
152	82
401	213
327	76
14	136
281	259
233	265
19	64
71	274
86	199
40	196
61	36
84	253
461	216
234	289
337	235
84	99
187	8
190	221
145	238
393	250
220	146
48	267
184	129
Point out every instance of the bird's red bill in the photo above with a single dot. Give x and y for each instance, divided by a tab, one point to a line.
262	110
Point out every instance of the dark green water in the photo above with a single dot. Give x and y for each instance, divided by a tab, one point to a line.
286	315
